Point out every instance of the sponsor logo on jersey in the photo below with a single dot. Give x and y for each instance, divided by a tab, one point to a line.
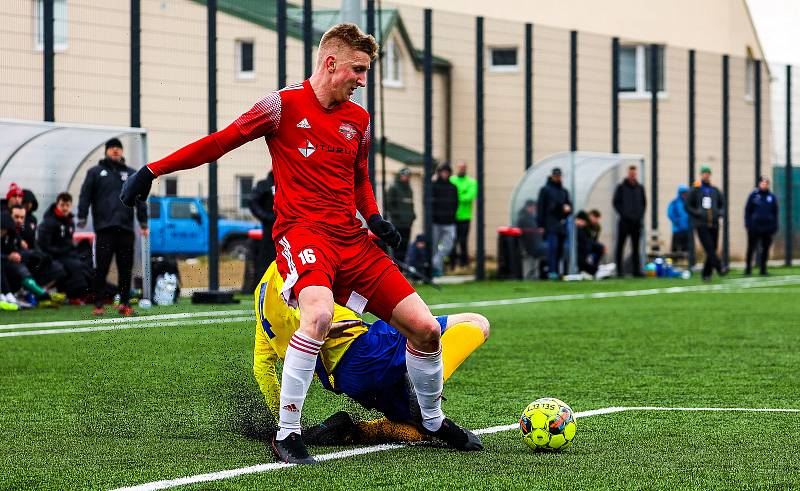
347	130
304	124
307	150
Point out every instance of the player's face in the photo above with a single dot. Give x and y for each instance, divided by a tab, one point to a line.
350	73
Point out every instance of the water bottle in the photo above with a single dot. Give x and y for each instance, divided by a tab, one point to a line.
659	267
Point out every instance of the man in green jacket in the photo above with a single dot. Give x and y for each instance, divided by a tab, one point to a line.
467	191
400	209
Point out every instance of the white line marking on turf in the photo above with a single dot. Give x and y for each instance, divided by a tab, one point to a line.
738	284
124	326
122	320
260	468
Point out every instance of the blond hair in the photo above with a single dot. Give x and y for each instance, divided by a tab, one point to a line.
347	35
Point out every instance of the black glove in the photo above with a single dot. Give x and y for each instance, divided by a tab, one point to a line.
384	230
137	186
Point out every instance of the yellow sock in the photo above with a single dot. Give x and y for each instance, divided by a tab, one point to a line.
458	342
382	430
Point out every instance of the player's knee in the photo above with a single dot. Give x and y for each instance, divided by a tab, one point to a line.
482	322
426	336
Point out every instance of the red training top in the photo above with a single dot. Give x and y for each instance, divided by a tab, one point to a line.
319	158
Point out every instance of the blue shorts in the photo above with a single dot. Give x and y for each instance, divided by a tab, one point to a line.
373	371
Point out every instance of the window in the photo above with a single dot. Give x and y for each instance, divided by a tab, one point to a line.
171	186
155	209
245	63
392	65
59	25
503	60
749	79
183	209
634	71
245	191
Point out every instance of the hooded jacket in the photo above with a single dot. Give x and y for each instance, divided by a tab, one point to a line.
400	203
445	202
705	205
101	189
676	211
55	233
550	207
761	212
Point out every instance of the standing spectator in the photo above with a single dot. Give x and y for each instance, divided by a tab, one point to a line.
113	224
262	203
55	239
467	191
31	228
630	203
445	203
761	221
676	211
706	205
400	209
532	244
554	209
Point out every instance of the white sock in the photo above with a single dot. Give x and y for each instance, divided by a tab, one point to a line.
298	371
426	372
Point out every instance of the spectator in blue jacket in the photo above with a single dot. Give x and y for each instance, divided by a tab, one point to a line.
676	211
761	221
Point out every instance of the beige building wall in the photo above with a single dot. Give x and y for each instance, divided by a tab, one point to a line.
21	96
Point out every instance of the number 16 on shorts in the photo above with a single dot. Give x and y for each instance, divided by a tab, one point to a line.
307	256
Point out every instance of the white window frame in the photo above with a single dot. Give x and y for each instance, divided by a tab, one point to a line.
502	68
242	74
392	64
38	25
239	194
641	91
749	79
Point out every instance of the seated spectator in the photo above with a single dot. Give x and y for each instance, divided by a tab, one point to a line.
55	239
13	197
594	228
30	229
12	255
590	251
532	240
417	255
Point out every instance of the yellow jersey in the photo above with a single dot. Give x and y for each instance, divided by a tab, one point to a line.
276	322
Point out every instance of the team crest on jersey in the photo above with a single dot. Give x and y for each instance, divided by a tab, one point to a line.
307	150
347	130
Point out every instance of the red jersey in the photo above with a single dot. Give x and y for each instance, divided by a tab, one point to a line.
319	158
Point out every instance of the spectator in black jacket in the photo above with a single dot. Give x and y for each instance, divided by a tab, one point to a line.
445	204
532	243
630	203
590	251
706	205
400	209
30	230
262	202
554	209
113	223
55	239
761	221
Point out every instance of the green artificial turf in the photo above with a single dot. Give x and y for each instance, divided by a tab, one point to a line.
99	410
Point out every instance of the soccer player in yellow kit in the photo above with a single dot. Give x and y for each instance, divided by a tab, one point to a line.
365	362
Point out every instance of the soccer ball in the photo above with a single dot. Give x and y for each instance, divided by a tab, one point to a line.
547	424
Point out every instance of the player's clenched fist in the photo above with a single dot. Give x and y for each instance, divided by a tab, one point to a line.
137	186
384	230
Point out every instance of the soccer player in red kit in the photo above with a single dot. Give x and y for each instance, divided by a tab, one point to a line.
319	142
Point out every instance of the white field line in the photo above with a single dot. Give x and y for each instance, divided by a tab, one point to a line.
739	284
125	326
260	468
123	320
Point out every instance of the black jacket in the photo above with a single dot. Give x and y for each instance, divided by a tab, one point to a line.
262	201
630	201
550	206
55	234
705	205
400	203
761	212
445	202
29	228
101	190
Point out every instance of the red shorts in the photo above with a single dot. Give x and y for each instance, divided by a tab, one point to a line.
360	275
